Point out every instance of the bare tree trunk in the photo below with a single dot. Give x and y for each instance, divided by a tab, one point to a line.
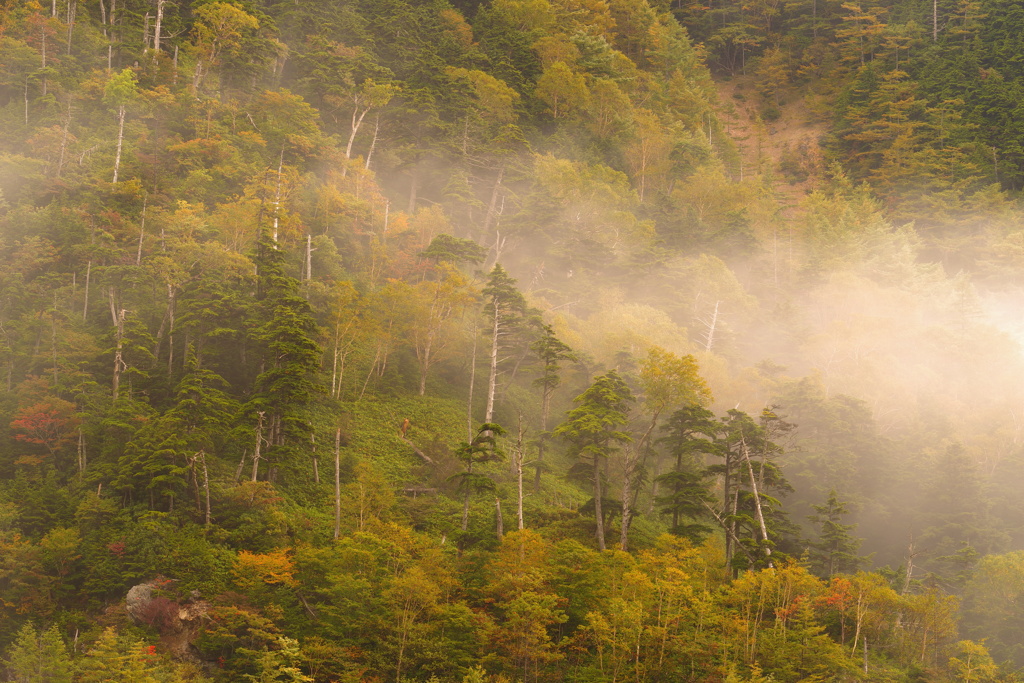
545	409
492	207
634	460
43	56
472	381
259	444
908	575
373	143
159	21
118	318
120	140
206	488
598	512
170	328
337	484
142	231
309	258
241	466
64	140
492	382
85	306
627	493
53	341
730	533
81	452
337	373
72	12
726	510
357	121
757	507
735	503
500	519
519	454
277	195
709	335
425	364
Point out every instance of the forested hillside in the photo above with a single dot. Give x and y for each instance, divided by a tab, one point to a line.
511	340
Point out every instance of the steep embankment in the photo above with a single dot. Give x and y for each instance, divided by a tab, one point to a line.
779	140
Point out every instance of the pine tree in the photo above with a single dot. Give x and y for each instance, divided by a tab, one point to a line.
482	449
506	309
688	497
752	515
552	352
835	552
594	427
39	657
286	333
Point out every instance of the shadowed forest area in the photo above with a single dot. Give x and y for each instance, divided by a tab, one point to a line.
485	341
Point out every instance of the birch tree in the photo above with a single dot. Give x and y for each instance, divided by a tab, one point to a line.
120	91
506	308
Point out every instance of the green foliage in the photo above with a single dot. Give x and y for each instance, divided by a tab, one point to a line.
836	548
593	430
301	193
39	656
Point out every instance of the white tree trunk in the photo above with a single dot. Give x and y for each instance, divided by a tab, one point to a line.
277	196
757	506
337	484
118	318
357	121
259	444
519	456
598	512
159	21
492	382
120	140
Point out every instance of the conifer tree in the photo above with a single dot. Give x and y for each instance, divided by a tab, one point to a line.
552	352
835	552
506	308
286	334
39	657
688	497
593	429
482	449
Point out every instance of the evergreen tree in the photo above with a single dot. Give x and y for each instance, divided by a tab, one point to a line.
482	449
594	427
551	352
688	498
39	657
286	333
506	309
835	551
752	514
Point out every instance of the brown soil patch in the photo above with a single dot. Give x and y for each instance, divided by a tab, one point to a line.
787	149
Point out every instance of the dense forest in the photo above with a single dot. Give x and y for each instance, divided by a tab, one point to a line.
511	340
